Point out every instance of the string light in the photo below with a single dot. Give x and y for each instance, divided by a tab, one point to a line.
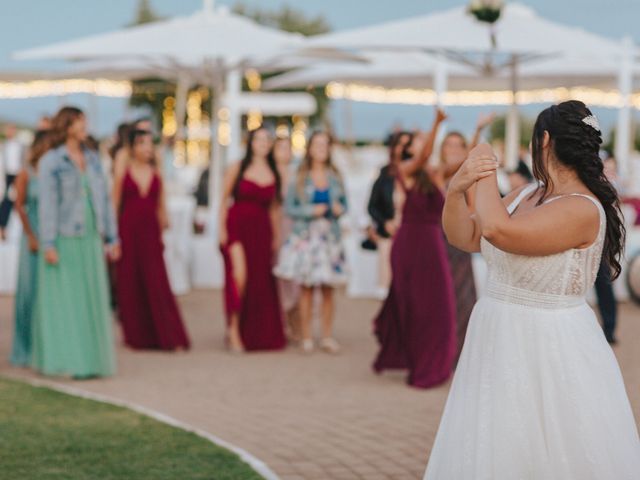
282	130
179	158
224	129
197	129
193	151
254	119
298	135
372	94
224	133
169	122
50	88
254	80
223	114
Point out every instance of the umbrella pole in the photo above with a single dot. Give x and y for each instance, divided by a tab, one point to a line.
348	123
94	112
233	91
512	134
440	83
180	111
182	90
216	166
623	129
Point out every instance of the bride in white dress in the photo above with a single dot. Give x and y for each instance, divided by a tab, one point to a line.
537	393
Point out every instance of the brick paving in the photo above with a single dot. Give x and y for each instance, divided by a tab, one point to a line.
308	417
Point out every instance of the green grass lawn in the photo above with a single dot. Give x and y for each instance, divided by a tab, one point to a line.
46	435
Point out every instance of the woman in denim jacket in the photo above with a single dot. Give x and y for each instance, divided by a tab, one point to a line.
72	331
313	255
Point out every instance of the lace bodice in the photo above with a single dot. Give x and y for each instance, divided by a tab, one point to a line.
552	281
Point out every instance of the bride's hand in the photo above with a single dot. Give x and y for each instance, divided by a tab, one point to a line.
480	163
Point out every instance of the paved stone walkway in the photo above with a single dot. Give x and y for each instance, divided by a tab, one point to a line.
307	417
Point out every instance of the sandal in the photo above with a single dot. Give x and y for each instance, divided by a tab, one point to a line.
306	346
330	345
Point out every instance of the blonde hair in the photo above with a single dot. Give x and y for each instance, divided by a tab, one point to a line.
305	165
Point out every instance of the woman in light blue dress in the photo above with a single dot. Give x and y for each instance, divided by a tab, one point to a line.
27	208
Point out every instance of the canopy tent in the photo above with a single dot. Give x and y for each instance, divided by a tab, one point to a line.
497	51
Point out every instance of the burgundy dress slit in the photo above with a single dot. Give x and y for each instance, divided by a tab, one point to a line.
249	224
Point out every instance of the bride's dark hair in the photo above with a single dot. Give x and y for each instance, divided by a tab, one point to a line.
576	146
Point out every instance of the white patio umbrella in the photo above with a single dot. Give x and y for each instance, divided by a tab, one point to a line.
136	68
517	38
416	70
385	68
519	32
210	47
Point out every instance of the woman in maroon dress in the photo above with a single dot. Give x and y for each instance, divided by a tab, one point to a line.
147	308
416	326
453	152
249	222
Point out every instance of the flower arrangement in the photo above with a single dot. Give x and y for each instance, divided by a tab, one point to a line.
486	10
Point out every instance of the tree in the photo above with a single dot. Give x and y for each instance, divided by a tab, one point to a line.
150	92
145	13
498	129
292	20
286	18
609	146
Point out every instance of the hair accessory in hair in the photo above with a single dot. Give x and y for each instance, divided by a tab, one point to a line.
592	121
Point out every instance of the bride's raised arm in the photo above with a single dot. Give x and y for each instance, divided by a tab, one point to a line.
461	226
569	222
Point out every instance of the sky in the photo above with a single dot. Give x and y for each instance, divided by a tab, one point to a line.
29	23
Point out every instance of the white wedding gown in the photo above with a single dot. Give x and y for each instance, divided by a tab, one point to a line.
537	393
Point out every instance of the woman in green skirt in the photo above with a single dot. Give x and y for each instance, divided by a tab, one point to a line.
27	208
72	332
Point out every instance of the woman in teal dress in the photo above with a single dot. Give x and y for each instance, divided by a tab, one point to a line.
27	208
72	332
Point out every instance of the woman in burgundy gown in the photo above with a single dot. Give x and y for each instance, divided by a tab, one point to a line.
453	152
416	327
147	308
249	224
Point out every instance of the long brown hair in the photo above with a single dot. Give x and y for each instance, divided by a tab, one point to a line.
394	140
133	137
576	145
61	123
40	145
305	166
449	135
248	158
122	138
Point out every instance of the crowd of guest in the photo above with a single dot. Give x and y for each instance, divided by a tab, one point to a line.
72	212
276	222
422	324
92	244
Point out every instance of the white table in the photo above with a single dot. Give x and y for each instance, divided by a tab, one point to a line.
9	252
178	242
